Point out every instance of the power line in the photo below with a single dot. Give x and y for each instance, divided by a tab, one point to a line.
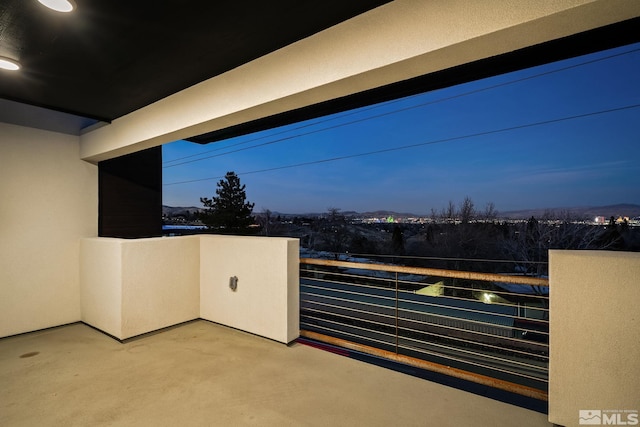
377	115
420	144
328	119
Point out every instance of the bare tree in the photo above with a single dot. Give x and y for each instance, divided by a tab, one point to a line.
530	242
334	214
467	211
490	212
334	231
434	215
449	213
264	219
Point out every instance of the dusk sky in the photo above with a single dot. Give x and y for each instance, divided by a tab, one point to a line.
484	139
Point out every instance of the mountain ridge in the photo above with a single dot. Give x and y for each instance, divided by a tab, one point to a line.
620	209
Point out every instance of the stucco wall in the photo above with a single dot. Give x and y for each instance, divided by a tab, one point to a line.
266	301
160	283
131	287
48	201
594	333
100	278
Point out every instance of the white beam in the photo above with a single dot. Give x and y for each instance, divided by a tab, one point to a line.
395	42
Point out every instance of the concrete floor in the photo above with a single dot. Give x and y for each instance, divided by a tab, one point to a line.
203	374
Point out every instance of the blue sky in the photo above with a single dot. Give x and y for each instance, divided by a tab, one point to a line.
481	139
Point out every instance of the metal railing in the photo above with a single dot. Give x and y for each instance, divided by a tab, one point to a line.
487	328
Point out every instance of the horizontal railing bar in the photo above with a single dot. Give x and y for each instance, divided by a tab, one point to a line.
351	300
391	282
483	355
342	307
469	362
468	310
497	347
455	349
505	261
360	285
521	295
490	313
469	275
517	294
431	366
468	331
314	310
463	288
442	316
501	304
389	343
478	322
453	328
345	291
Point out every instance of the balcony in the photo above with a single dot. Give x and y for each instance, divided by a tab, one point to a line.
229	354
201	373
53	272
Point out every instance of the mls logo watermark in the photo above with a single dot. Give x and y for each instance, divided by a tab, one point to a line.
609	417
590	417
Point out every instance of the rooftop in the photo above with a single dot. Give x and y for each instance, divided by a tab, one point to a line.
202	373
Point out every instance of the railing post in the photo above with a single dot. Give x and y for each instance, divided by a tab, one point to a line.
396	312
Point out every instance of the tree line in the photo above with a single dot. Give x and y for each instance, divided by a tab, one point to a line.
456	236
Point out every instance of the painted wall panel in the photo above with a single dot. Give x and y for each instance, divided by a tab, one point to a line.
48	202
160	283
594	334
100	284
266	301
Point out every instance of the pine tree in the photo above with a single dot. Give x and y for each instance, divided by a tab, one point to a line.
228	212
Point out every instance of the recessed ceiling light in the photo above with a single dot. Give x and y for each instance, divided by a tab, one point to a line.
59	5
8	64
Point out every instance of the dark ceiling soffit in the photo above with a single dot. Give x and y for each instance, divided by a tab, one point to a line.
79	114
614	35
111	58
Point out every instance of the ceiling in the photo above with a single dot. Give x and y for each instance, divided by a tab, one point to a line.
109	58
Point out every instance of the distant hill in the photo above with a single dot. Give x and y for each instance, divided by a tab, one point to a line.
373	214
178	210
383	214
586	212
623	210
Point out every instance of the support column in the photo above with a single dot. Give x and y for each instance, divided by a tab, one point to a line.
130	195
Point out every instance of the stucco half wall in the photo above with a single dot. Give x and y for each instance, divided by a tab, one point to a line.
266	301
594	359
131	287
